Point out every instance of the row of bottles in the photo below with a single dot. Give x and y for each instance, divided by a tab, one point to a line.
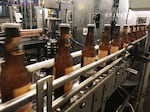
16	80
119	41
89	55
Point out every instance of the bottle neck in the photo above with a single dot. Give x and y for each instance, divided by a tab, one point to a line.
90	37
14	60
64	43
116	35
13	51
105	37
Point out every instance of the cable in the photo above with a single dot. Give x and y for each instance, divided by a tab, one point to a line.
75	41
131	107
78	43
127	16
129	104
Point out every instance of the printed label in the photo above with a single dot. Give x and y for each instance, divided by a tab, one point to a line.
124	45
102	54
86	61
20	91
68	86
113	50
67	40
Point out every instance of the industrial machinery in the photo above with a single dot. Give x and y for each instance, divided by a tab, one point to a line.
92	94
119	86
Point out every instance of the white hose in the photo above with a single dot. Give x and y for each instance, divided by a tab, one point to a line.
132	109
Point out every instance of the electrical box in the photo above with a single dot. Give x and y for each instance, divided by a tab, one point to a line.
139	5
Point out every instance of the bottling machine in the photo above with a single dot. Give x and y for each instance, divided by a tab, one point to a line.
119	86
85	98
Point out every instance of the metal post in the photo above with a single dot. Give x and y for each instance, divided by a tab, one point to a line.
144	78
41	92
11	11
30	11
25	14
147	43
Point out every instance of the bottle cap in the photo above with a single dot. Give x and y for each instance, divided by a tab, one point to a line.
107	25
90	25
10	25
117	24
125	25
64	25
11	29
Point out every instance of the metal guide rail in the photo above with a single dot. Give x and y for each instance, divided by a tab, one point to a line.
89	96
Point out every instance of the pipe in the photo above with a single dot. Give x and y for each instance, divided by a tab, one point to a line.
49	63
30	13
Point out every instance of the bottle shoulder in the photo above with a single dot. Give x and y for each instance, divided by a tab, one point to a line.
17	78
104	46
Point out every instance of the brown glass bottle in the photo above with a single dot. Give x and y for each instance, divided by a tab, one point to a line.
140	31
144	30
15	78
104	46
115	43
88	52
135	37
124	36
63	60
131	34
137	31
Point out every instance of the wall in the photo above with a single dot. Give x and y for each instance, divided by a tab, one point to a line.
84	9
143	14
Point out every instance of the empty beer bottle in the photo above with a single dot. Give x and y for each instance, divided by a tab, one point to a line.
104	46
88	52
15	78
63	60
124	36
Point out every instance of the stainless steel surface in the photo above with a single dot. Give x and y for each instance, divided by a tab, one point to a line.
131	70
81	17
30	14
147	43
43	92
